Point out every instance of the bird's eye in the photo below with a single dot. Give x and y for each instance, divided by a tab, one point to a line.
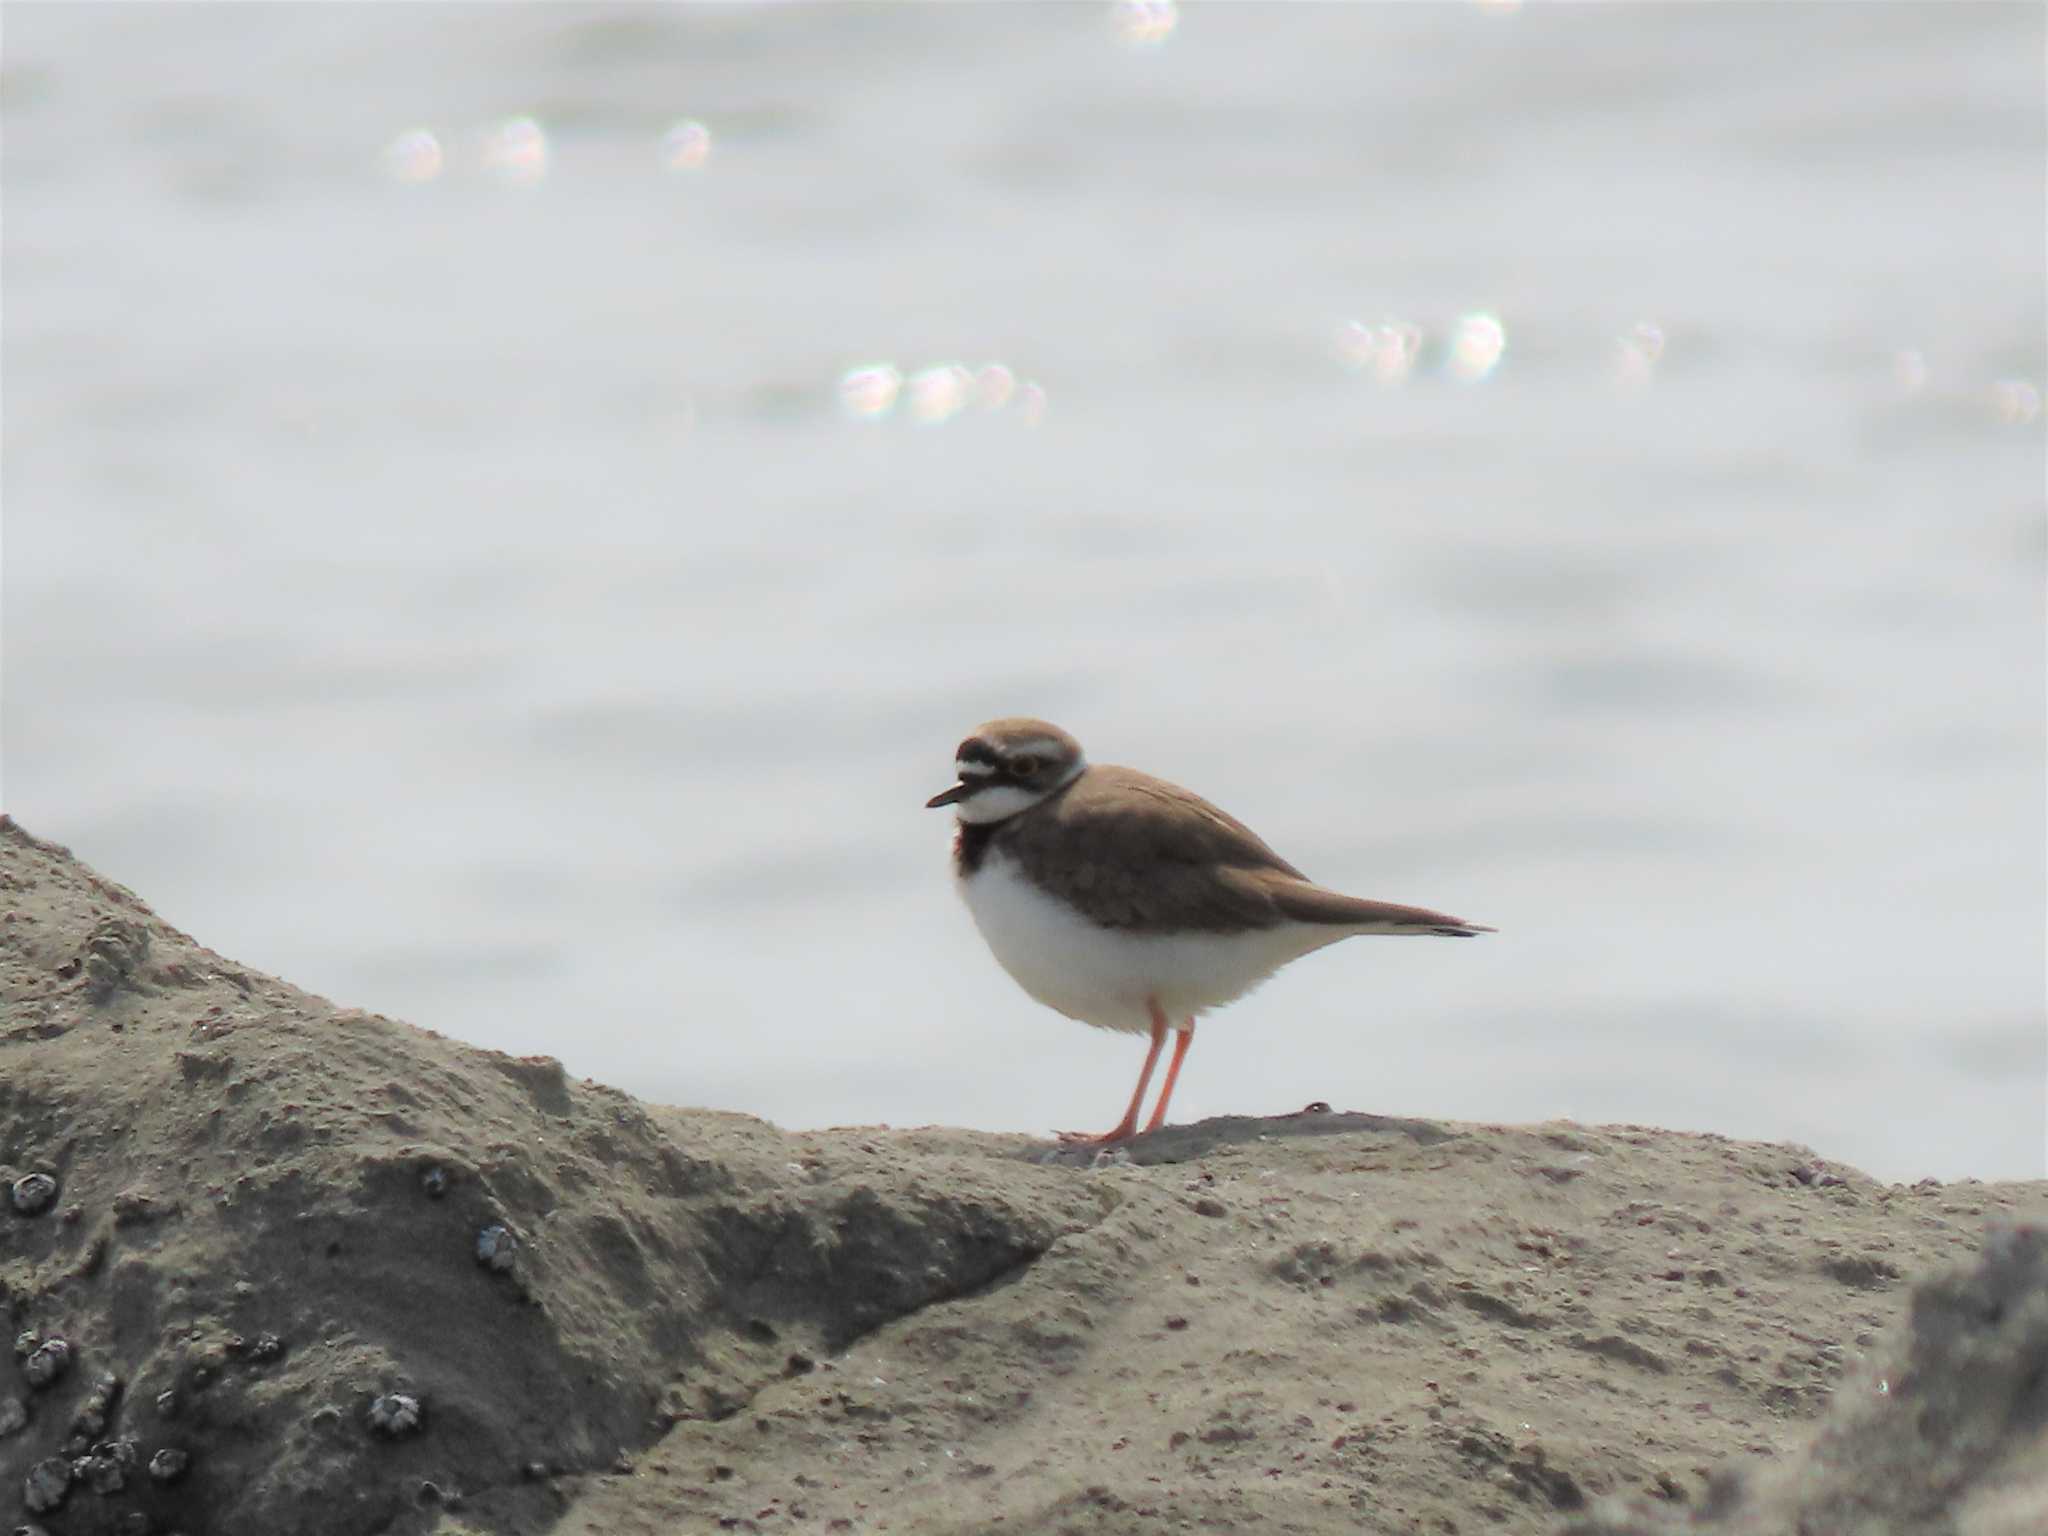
1024	767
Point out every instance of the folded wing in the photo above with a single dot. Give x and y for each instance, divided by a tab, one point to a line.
1143	855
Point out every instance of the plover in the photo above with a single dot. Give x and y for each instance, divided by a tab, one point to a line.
1130	903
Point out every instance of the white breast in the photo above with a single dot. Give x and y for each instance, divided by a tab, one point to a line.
1105	977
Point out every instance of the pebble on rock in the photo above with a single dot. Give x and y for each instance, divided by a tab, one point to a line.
34	1193
396	1415
169	1464
496	1248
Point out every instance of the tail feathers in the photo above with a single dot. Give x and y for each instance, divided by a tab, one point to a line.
1305	902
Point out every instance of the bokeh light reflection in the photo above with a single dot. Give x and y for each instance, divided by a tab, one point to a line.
1353	345
1146	23
994	386
869	392
414	157
517	151
686	146
1387	351
1476	346
2016	402
1910	372
938	394
1637	353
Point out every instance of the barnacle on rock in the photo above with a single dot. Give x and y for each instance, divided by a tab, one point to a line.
496	1248
396	1415
106	1470
97	1411
47	1360
47	1485
115	951
170	1464
431	1492
33	1193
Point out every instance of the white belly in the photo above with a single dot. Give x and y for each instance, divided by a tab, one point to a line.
1107	977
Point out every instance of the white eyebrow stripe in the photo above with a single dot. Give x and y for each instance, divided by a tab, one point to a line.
973	770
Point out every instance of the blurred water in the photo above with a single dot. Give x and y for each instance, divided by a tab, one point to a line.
441	568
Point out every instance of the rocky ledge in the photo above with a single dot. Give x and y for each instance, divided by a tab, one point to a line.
268	1264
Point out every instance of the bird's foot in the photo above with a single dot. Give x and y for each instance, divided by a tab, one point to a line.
1109	1138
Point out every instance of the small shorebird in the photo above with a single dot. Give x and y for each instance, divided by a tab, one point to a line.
1130	903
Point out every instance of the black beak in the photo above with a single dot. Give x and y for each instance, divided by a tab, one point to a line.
948	796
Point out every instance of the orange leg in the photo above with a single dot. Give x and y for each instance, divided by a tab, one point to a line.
1127	1127
1183	1038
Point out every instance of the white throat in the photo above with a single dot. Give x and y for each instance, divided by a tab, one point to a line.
997	803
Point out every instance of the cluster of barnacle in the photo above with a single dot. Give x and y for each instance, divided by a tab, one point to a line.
90	1458
104	1465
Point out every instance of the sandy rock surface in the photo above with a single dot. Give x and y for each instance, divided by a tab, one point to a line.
280	1266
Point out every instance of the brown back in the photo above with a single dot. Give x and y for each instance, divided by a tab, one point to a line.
1137	853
